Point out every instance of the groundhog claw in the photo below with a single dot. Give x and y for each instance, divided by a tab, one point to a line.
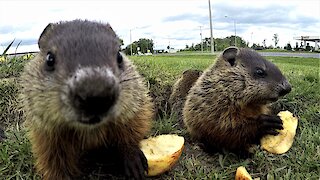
135	164
272	132
269	124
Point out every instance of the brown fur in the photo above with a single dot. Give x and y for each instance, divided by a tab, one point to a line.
180	90
58	140
225	109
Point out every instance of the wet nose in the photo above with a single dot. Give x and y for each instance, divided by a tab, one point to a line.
286	88
93	94
95	103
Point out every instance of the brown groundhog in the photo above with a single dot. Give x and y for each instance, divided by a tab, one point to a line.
227	108
80	93
180	90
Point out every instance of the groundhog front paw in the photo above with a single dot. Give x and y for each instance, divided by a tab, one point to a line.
269	124
135	164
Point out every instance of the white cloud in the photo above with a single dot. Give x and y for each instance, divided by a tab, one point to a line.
25	20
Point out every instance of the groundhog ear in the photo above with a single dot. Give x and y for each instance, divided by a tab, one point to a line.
44	34
230	55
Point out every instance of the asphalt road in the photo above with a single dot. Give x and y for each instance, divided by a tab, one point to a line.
279	54
285	54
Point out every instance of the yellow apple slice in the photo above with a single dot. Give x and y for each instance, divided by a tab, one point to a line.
242	174
283	141
162	152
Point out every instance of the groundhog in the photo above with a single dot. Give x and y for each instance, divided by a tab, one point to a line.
180	90
80	94
228	107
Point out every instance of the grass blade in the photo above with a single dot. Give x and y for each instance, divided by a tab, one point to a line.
8	47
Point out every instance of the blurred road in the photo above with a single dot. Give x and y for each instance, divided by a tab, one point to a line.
285	54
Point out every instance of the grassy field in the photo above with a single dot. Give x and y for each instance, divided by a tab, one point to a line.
301	162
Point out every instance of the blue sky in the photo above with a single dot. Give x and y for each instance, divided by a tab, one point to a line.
167	22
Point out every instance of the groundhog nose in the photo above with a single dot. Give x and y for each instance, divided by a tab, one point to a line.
286	88
93	91
96	105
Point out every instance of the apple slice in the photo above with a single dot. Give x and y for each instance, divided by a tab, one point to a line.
242	174
162	152
283	141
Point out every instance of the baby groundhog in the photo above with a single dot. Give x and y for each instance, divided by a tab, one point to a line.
227	108
80	94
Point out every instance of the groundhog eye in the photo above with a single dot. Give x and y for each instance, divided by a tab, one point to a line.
260	72
119	59
50	60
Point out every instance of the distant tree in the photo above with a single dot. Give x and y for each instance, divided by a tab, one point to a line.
127	50
275	39
308	47
296	48
197	47
219	44
264	43
288	47
144	45
121	41
254	46
187	47
270	47
257	46
192	47
168	47
207	44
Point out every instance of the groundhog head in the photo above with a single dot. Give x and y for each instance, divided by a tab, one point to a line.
81	66
254	79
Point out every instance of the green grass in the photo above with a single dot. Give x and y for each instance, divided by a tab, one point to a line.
167	68
302	161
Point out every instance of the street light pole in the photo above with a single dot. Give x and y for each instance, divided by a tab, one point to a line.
235	30
201	39
212	48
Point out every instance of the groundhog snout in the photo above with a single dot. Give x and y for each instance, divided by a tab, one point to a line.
93	93
285	88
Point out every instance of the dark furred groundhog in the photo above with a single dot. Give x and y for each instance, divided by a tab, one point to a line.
227	108
80	94
180	90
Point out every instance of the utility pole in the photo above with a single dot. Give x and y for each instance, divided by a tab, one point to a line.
201	39
235	30
130	43
212	48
